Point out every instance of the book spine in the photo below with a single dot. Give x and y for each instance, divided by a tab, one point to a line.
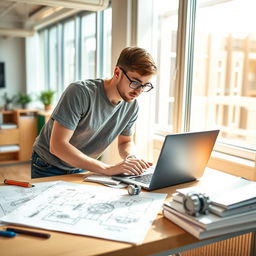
202	233
186	226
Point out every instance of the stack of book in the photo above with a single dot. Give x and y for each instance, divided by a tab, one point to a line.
232	208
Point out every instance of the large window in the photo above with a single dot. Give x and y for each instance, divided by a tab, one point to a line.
224	84
208	79
74	50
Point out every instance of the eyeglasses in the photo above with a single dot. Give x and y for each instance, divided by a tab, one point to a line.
137	85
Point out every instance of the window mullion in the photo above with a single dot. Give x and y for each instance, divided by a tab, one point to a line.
47	59
184	64
99	45
78	48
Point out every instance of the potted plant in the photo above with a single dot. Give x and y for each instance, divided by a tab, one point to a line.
7	101
46	97
23	99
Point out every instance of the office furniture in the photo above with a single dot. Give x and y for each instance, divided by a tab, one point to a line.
22	136
163	238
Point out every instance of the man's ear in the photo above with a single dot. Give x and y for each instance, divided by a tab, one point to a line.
117	72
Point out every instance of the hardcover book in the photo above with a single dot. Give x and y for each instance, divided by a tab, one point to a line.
210	221
202	233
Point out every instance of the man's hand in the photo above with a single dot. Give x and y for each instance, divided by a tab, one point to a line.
130	166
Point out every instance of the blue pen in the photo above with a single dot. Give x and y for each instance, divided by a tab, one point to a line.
7	233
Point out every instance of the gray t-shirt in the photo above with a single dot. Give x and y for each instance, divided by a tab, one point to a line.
96	122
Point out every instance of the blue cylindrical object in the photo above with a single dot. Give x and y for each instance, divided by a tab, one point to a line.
7	233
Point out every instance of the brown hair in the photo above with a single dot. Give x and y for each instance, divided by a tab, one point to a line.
137	59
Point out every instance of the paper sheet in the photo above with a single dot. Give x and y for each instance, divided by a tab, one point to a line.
105	180
90	210
11	197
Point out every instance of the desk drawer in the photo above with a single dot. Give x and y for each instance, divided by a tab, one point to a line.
9	136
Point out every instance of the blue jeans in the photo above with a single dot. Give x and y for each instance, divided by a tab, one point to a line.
40	168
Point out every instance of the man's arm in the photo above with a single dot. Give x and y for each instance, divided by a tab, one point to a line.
127	148
63	149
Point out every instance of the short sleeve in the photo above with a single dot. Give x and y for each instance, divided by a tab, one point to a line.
71	106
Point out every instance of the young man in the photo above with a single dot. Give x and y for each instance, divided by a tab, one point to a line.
90	115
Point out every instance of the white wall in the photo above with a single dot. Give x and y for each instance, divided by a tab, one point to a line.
12	52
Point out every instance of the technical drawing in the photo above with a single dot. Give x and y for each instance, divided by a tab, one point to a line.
90	210
13	197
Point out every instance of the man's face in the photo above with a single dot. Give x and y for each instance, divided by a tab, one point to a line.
132	79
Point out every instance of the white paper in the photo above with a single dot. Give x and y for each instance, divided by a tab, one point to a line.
12	197
90	210
230	192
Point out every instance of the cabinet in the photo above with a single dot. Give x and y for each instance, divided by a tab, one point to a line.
17	135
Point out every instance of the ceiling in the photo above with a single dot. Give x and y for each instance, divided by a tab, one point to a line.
21	18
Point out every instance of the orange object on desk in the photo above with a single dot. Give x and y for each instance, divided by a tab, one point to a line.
18	183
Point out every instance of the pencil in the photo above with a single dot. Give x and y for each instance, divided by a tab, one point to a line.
29	233
18	183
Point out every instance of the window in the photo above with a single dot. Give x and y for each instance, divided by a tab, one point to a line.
208	82
69	49
224	81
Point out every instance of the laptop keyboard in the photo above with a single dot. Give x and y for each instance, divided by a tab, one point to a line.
144	178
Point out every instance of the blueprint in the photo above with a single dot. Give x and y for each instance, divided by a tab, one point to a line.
90	210
11	197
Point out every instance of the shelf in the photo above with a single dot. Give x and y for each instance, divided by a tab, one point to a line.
9	157
9	148
4	126
9	151
23	136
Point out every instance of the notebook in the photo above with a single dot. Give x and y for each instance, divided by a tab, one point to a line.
183	158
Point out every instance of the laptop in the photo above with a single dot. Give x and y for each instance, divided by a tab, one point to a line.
183	158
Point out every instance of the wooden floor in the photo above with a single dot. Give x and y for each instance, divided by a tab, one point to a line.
16	171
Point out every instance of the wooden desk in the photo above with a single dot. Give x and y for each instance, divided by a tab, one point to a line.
163	238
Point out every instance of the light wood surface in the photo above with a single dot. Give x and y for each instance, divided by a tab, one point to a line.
28	133
9	136
163	235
